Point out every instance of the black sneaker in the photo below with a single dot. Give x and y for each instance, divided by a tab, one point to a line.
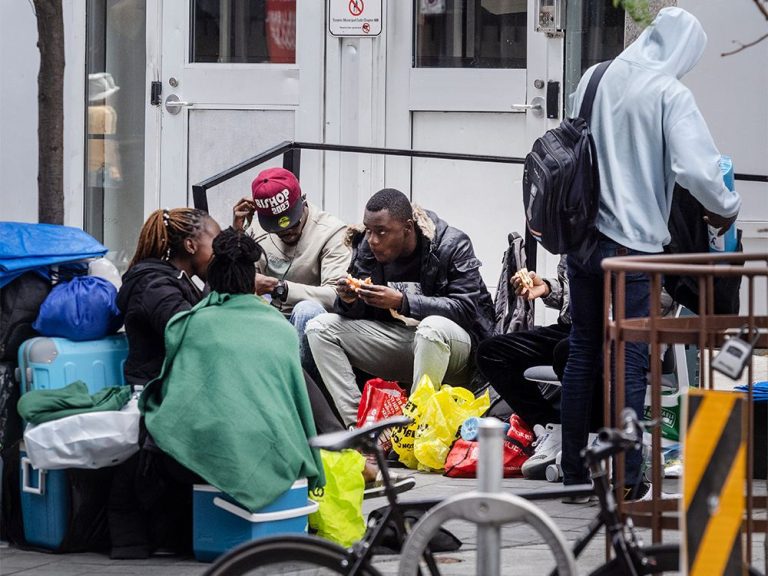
576	498
638	492
393	459
643	492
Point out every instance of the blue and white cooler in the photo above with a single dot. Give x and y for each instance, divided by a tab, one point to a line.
220	524
45	504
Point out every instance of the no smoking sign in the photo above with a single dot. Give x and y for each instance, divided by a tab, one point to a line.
354	18
356	7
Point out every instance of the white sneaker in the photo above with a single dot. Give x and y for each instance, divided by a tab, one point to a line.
545	448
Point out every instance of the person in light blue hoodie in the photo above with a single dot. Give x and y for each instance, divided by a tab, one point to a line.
649	134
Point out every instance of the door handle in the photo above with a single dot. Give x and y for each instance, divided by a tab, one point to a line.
536	107
173	104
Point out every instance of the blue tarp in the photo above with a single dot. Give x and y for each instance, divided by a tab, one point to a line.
759	390
28	247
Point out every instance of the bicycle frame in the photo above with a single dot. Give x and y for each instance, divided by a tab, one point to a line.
362	551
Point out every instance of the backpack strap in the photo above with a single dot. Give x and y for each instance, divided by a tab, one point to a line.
585	111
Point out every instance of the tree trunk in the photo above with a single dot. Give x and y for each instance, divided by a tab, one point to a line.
50	100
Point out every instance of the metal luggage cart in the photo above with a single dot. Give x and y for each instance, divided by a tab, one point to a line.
706	330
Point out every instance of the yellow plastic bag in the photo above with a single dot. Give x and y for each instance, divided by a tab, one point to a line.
402	438
441	418
340	516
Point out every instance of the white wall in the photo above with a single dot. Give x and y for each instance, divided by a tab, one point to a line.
19	63
731	93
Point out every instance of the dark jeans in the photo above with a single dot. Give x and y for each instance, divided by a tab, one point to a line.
325	418
583	372
503	359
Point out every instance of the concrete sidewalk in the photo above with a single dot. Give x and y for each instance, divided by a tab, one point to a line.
522	553
521	548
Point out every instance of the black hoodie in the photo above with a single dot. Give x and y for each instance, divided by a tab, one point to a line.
153	291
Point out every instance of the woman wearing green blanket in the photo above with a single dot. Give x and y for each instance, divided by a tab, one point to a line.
150	502
231	402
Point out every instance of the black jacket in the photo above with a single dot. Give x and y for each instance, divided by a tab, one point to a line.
153	291
451	284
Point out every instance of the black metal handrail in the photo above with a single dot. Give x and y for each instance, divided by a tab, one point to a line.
291	152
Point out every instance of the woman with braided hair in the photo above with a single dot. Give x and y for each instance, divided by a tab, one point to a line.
173	246
150	501
150	505
231	402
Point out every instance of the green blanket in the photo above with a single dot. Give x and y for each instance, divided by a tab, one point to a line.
38	406
231	403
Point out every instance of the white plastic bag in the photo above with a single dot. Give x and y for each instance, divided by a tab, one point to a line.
89	440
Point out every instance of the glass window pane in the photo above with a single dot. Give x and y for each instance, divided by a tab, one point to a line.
470	33
594	32
243	31
116	96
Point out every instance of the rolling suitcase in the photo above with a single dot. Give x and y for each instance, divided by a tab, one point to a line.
49	363
54	518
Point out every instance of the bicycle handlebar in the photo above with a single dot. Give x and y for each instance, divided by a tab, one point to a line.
615	440
629	435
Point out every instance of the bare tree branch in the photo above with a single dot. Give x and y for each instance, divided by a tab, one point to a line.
762	8
743	46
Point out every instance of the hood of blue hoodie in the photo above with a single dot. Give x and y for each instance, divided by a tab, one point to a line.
673	44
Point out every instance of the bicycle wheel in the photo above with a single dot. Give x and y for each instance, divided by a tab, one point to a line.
486	509
296	555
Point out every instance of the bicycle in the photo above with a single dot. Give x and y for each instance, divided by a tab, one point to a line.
299	553
631	557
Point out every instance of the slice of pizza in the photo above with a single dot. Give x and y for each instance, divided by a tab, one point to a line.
355	283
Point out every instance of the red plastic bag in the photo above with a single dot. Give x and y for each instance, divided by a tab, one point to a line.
463	457
517	446
381	399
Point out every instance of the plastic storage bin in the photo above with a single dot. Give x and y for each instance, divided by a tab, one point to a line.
220	524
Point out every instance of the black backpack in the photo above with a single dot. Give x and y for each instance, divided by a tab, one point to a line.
688	234
20	302
561	182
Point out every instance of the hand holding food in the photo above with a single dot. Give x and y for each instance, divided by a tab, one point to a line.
345	291
529	284
355	283
524	277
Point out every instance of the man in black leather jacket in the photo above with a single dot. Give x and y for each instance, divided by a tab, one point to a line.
425	309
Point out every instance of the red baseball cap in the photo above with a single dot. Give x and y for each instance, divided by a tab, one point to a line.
277	198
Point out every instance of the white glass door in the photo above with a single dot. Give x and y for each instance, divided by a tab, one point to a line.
472	77
237	78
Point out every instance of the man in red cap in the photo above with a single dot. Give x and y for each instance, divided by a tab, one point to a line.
304	250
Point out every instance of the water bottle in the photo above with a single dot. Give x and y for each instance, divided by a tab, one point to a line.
469	429
728	242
